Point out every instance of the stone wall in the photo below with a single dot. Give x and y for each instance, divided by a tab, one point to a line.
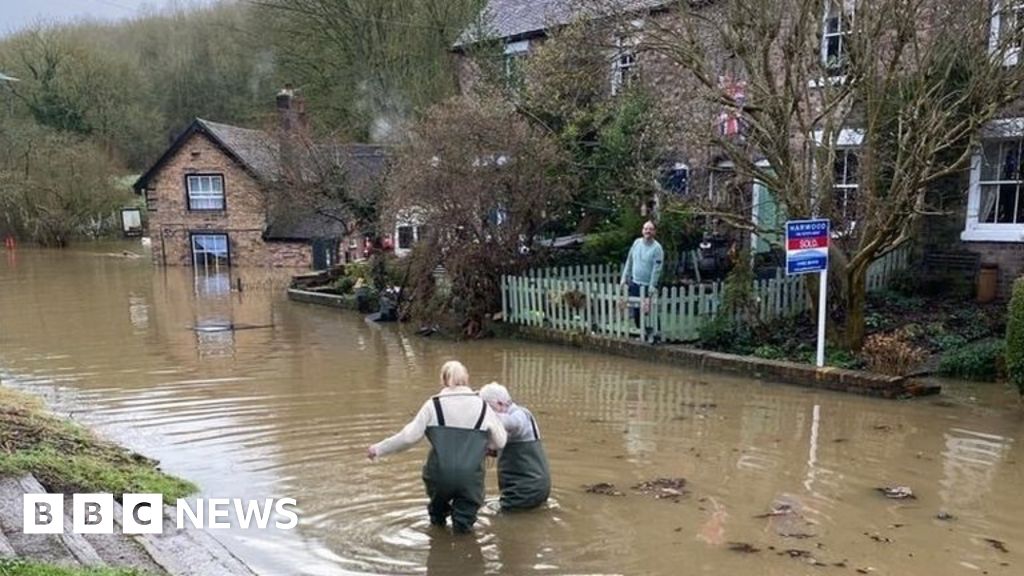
828	378
1008	256
170	221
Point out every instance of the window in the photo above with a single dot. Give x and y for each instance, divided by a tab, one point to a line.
1000	183
835	36
406	237
210	251
1005	37
624	64
205	192
995	202
844	185
721	182
676	179
515	54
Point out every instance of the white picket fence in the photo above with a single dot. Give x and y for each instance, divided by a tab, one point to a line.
590	299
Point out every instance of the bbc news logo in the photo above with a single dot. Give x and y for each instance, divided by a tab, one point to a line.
144	513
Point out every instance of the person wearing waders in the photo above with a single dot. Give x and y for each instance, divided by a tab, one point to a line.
461	429
523	474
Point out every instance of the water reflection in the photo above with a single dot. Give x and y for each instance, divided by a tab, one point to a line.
970	466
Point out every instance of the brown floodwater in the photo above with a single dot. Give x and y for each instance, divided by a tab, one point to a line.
285	404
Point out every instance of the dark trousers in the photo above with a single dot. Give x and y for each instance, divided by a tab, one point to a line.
635	311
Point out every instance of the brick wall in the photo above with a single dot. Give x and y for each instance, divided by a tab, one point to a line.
243	219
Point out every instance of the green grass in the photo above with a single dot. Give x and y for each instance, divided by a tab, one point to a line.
66	457
15	567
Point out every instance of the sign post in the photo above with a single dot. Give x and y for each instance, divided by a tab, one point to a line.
806	253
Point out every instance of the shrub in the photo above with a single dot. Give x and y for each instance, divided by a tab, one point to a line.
344	284
893	353
725	335
1015	336
770	352
978	361
947	341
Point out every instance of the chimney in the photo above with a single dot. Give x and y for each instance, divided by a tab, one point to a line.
285	112
291	109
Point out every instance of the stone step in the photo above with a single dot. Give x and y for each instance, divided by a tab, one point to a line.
66	549
189	551
6	550
120	550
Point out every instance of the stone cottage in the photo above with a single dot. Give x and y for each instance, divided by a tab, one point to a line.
219	196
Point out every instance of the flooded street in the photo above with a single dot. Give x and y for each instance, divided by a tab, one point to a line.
285	405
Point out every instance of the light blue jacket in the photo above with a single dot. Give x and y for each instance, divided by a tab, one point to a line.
643	265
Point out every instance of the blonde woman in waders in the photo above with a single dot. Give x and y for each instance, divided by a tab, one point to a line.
461	429
523	473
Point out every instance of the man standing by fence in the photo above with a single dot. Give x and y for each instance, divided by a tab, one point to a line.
643	269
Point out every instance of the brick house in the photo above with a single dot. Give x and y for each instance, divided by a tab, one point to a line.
987	220
210	199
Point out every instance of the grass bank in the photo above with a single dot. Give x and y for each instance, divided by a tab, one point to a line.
66	457
15	567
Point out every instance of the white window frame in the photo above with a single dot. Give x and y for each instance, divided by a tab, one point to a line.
681	167
216	263
625	63
411	217
723	167
1011	56
974	229
848	190
412	236
199	195
844	31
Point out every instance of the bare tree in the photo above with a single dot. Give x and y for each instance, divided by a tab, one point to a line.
897	89
485	183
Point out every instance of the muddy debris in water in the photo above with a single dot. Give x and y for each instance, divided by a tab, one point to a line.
699	405
602	488
878	537
796	553
782	509
663	488
897	492
997	544
743	547
945	516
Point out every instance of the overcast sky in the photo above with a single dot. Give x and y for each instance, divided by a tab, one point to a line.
18	14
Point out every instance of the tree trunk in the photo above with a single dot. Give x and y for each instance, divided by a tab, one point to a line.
855	300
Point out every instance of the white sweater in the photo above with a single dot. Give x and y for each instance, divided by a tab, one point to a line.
461	407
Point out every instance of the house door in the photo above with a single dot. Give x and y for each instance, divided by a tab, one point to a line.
768	217
325	253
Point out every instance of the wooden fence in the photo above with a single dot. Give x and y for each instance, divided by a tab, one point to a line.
590	299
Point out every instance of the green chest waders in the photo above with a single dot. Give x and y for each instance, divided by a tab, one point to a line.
454	472
523	474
